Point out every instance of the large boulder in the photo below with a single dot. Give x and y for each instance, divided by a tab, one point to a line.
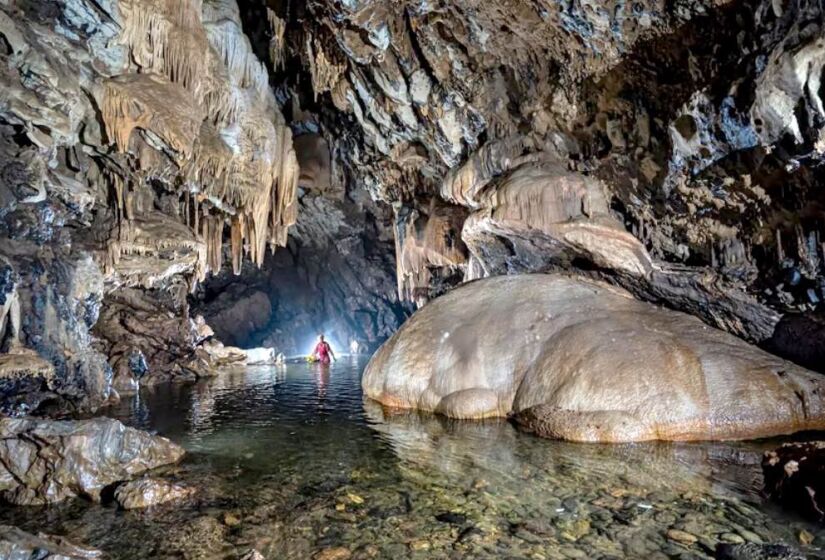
581	360
45	461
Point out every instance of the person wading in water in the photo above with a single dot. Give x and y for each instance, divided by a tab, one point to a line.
323	351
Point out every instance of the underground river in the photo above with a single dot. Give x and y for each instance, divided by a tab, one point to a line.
293	463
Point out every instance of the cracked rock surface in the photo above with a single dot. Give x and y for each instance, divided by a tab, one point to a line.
45	461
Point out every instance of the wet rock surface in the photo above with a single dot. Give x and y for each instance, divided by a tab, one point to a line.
669	149
374	483
149	492
755	551
795	477
19	545
45	461
128	149
584	361
672	150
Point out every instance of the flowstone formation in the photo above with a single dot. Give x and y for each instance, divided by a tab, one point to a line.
583	361
138	138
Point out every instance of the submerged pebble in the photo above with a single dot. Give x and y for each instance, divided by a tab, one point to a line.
361	484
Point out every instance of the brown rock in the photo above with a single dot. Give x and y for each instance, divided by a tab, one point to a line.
148	492
681	536
44	461
15	543
335	553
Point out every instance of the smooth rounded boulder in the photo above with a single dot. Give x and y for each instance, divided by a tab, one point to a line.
581	360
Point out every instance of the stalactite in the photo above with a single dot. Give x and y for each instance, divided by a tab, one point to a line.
780	253
236	239
424	240
130	204
212	233
166	36
202	91
284	210
117	186
186	205
325	73
149	102
277	42
10	318
244	68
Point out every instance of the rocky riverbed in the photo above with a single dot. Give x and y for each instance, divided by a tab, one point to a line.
293	463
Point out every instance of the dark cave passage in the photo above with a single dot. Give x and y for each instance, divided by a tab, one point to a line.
335	276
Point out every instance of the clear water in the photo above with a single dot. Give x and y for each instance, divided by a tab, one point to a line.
293	463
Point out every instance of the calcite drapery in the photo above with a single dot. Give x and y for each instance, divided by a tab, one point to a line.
424	239
205	95
134	132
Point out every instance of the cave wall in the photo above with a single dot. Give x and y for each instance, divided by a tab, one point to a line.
673	148
137	139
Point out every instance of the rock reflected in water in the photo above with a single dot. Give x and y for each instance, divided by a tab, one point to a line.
294	463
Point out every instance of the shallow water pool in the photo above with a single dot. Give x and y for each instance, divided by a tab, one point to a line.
293	463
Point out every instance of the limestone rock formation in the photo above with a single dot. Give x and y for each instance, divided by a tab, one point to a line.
138	138
16	544
336	276
794	477
25	379
45	461
671	149
148	492
584	361
151	151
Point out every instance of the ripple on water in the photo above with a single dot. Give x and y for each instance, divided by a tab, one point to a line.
292	461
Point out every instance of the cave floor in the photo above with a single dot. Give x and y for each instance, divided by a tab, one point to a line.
293	463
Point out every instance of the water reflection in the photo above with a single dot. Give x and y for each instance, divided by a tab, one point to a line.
307	464
495	447
321	372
